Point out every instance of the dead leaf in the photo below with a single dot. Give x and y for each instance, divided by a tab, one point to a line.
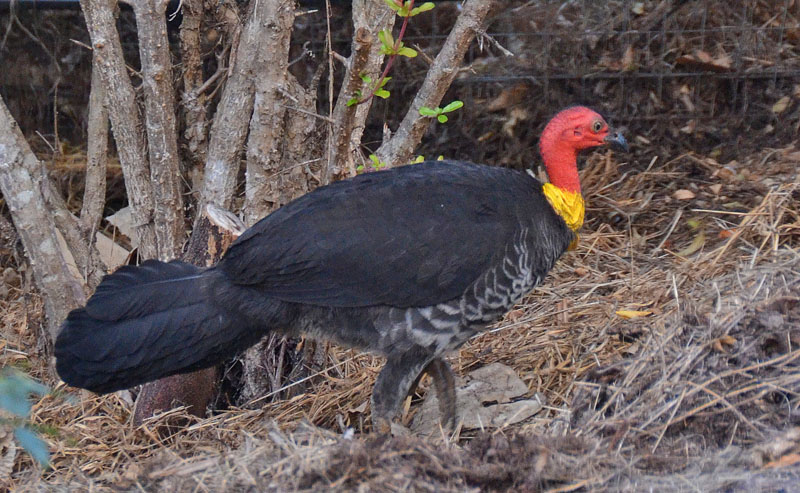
715	188
683	194
726	233
696	244
488	397
702	60
629	314
781	105
785	461
581	271
508	98
629	59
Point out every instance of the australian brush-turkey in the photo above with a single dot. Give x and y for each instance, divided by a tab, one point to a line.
408	263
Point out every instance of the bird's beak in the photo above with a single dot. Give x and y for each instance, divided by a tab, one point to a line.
616	141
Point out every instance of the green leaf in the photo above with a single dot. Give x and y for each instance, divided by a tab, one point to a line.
33	444
382	93
387	40
425	111
352	101
440	158
366	78
406	51
392	5
360	168
418	159
376	162
385	80
422	8
15	388
442	118
453	106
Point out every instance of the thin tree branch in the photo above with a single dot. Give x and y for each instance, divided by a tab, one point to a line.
229	129
400	148
267	123
94	194
369	18
162	133
194	100
125	120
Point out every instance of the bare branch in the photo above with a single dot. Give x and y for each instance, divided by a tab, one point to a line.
162	134
86	257
267	123
194	100
400	148
22	182
229	129
94	194
125	119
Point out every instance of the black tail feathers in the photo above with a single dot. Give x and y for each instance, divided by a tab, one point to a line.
148	322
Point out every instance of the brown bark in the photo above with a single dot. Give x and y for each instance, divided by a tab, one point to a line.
369	18
471	21
22	182
162	134
125	120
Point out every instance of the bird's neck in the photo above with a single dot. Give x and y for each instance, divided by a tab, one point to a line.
564	190
561	162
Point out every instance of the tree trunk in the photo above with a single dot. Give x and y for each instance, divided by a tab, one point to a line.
162	134
22	181
125	120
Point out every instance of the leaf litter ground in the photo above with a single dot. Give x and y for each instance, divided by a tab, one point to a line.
701	394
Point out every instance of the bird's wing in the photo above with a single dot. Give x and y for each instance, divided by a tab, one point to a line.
412	236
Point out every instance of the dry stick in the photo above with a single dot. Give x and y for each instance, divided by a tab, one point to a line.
125	121
400	148
22	182
94	192
162	133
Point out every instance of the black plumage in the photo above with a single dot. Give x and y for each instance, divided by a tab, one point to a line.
408	262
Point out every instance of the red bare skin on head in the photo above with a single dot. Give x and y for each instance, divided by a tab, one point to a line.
567	133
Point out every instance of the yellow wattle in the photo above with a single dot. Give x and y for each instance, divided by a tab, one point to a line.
568	205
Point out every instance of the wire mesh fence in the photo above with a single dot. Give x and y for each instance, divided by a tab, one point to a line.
706	75
717	74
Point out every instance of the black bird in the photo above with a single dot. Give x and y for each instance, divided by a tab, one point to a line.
408	263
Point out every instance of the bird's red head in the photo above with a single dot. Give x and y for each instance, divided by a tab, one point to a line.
567	133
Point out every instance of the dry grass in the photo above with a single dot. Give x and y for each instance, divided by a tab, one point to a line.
682	399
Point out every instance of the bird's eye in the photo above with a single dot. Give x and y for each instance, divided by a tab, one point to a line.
597	126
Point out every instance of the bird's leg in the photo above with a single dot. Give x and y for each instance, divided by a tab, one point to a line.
445	384
394	383
444	381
